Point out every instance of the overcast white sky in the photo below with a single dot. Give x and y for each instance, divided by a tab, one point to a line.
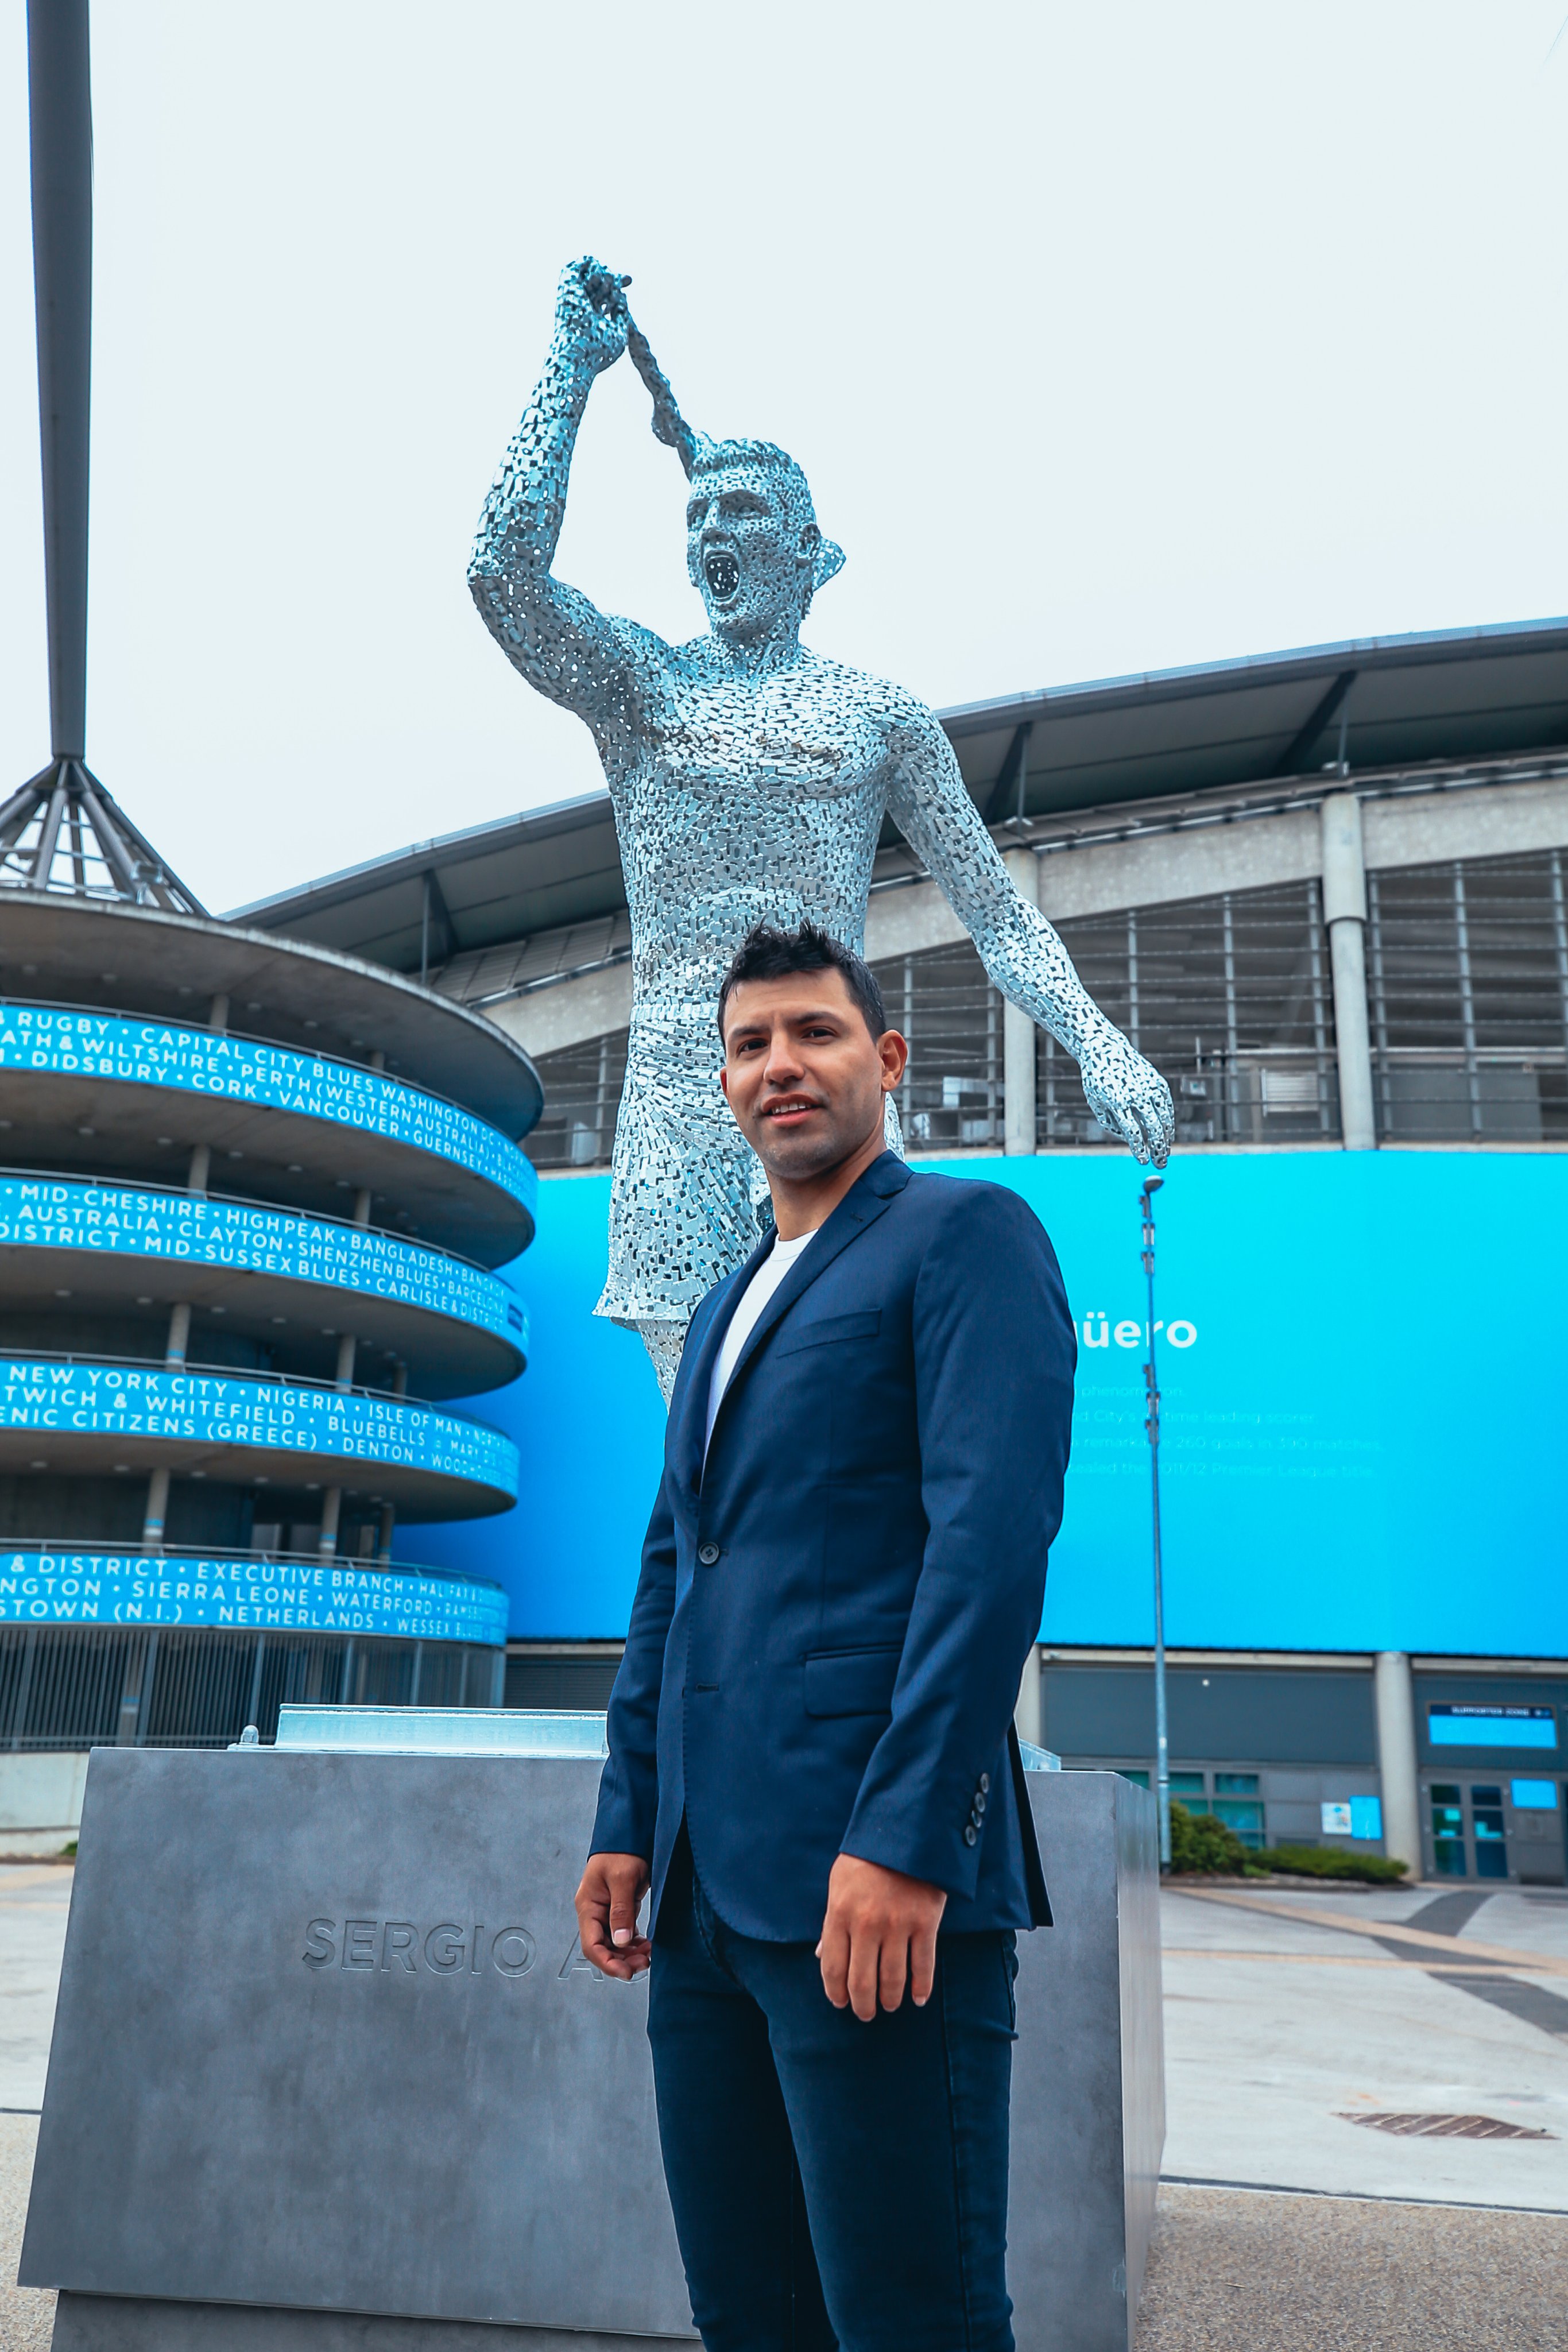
1110	337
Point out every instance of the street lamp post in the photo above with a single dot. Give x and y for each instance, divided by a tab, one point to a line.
1151	1184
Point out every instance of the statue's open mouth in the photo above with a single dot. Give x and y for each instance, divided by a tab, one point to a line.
721	573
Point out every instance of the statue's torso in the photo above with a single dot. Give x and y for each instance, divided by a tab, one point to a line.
739	800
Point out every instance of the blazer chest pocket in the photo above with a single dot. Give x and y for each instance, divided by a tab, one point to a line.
850	1681
863	1326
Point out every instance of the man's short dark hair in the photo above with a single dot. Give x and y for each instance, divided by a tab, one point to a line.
768	953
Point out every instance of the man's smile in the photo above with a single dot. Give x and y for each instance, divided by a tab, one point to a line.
789	1109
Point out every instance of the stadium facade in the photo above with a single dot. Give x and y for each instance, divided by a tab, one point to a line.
1325	892
252	1200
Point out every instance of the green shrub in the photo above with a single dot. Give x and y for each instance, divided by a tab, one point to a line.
1200	1842
1330	1862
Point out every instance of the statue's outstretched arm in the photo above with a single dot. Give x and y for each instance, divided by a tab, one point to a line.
930	802
563	645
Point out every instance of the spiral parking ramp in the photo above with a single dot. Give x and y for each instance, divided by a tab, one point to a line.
256	1200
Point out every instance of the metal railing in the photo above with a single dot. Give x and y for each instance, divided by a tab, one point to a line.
65	1687
582	1094
1467	997
952	1097
1231	997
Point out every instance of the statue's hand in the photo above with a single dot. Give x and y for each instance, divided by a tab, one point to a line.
1128	1095
590	315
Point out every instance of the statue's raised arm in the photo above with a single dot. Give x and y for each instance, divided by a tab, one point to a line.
1023	955
562	644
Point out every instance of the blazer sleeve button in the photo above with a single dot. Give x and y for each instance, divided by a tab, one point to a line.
707	1553
984	1784
971	1834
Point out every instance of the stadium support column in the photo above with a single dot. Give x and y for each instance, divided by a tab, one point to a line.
1017	1029
1394	1697
179	1338
332	1500
1344	912
157	1509
389	1510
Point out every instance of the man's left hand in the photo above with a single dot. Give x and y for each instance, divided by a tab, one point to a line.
880	1932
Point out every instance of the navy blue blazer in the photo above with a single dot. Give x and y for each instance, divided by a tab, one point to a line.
833	1614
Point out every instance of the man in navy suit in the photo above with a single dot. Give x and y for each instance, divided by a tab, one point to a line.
812	1768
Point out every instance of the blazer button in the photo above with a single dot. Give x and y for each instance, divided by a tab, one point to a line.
979	1805
971	1835
984	1784
707	1553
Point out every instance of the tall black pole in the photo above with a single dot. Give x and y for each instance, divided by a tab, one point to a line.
60	120
1151	1184
61	831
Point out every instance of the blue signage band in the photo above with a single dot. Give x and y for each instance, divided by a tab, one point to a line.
188	1229
215	1409
96	1588
48	1040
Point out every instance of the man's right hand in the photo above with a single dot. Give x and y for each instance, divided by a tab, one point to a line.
590	314
607	1901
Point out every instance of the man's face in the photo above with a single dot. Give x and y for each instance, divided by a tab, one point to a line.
751	561
803	1073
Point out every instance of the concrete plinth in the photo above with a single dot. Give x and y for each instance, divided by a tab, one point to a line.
326	2048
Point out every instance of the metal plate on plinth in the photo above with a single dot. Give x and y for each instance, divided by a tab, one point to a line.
439	1731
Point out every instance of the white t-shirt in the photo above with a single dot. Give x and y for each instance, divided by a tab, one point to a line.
748	1308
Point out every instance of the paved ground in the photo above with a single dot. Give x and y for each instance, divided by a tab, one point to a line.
27	2319
33	1906
1278	2028
1235	2271
33	1902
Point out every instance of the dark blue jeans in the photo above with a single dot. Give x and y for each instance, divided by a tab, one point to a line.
833	2183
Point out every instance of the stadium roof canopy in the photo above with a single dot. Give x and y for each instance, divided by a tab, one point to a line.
1376	702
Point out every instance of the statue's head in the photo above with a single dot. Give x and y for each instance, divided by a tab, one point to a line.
752	548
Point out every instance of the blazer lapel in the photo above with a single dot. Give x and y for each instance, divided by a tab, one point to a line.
860	1207
689	1418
